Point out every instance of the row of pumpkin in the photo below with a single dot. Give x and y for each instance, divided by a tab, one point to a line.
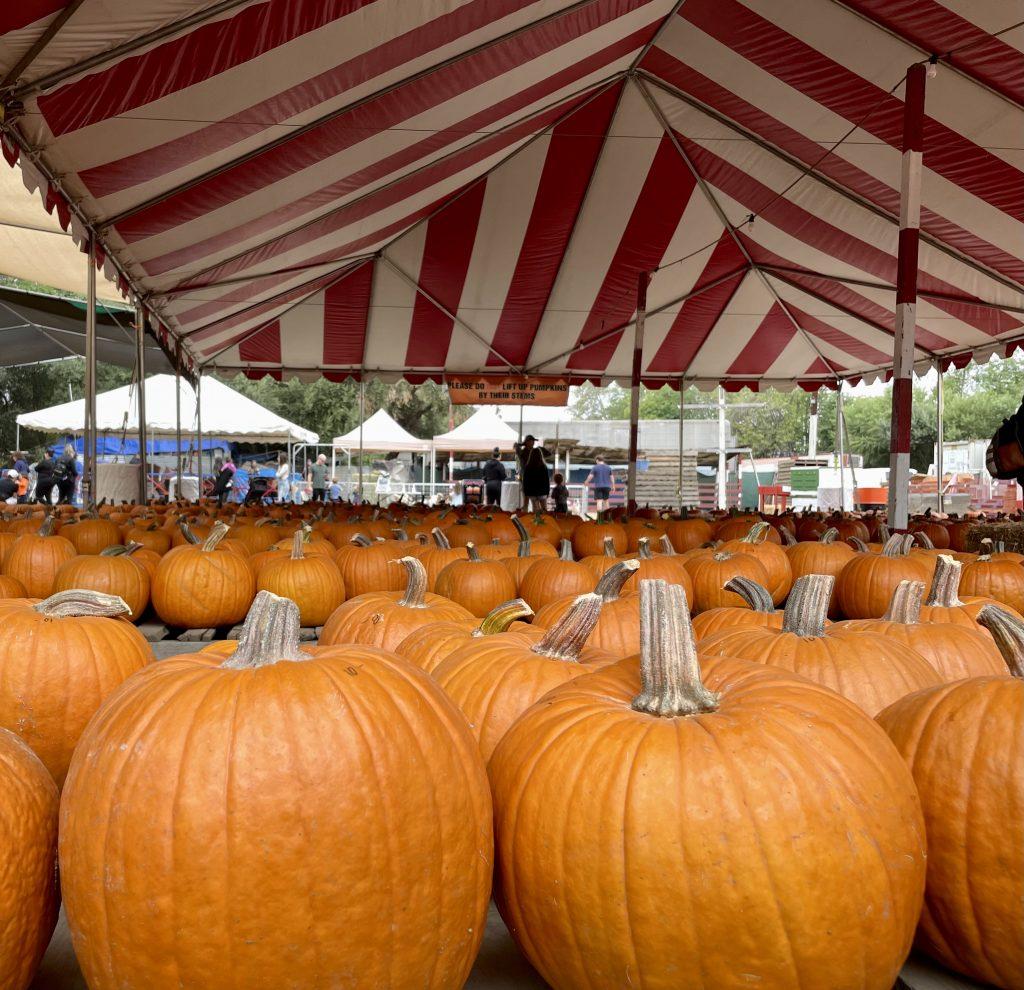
199	570
674	803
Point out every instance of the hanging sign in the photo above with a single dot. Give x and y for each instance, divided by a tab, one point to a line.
507	390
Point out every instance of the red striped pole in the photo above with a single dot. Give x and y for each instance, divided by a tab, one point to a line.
906	297
634	394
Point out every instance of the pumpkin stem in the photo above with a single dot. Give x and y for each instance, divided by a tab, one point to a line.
858	544
520	528
270	634
472	551
665	543
1008	632
416	588
47	527
566	640
361	540
643	548
186	531
758	533
894	546
71	604
924	539
422	539
883	533
609	547
756	596
908	544
440	539
807	607
297	540
905	605
830	534
264	522
610	585
217	534
524	548
565	550
670	684
502	616
121	551
787	537
945	588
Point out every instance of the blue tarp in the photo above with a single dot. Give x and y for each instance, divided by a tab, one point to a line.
111	446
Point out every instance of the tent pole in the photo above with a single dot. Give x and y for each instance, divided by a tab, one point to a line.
906	296
362	416
140	363
840	446
634	391
940	456
89	459
682	441
721	449
177	415
199	432
812	427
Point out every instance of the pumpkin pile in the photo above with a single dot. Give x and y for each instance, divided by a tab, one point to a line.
700	751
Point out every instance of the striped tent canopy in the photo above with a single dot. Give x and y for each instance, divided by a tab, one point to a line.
405	189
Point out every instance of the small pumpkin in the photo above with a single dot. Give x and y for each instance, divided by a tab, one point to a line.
998	578
385	618
92	534
476	584
438	555
711	575
312	582
865	585
588	538
666	567
943	604
826	555
555	577
365	566
35	558
771	556
962	742
757	611
688	532
110	575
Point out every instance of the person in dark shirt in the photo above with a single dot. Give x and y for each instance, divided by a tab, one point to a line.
603	479
494	475
560	493
45	467
65	474
533	471
9	486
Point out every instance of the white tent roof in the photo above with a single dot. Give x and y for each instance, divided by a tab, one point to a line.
482	431
226	413
381	432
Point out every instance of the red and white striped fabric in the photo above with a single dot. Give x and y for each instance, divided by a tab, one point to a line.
338	187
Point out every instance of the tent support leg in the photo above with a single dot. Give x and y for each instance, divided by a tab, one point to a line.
812	427
362	416
940	457
177	416
199	433
89	459
140	363
906	297
722	466
682	439
840	445
634	390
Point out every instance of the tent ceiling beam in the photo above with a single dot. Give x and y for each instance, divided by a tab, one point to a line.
943	57
662	27
114	54
840	190
340	112
726	222
615	331
881	328
52	30
441	308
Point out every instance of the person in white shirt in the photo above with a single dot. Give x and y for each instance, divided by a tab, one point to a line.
283	476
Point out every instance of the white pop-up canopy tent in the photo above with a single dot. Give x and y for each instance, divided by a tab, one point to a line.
223	412
381	432
483	431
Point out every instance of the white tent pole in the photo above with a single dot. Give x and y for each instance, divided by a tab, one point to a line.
940	455
199	431
840	446
682	438
721	449
140	396
634	391
433	470
362	416
812	427
177	415
89	459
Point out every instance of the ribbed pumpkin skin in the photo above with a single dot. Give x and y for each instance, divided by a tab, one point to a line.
729	618
378	620
110	575
871	671
367	569
820	558
964	744
706	852
710	574
90	536
772	558
288	809
551	579
618	626
157	540
197	589
11	587
29	897
34	561
313	583
60	673
477	585
688	534
430	645
865	585
588	538
1002	580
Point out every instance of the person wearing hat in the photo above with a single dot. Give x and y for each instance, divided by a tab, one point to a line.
494	475
533	472
9	487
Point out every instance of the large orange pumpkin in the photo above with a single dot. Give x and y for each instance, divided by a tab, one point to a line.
476	584
527	554
871	670
90	535
758	610
149	535
658	832
385	618
822	556
688	532
437	555
865	585
955	651
29	897
110	575
943	604
493	680
430	645
199	586
771	556
1001	579
366	566
964	745
35	558
711	575
312	582
309	791
555	577
68	654
588	538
